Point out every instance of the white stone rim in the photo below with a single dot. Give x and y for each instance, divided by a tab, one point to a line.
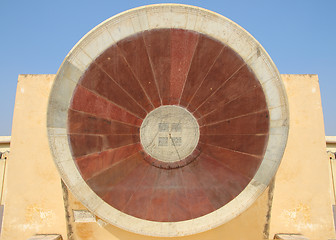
166	16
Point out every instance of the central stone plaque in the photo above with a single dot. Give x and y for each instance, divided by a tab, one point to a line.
169	133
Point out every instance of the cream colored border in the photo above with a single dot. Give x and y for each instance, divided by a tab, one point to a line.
166	16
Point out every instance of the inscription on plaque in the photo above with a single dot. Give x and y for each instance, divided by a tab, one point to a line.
83	216
176	141
170	134
175	127
163	127
163	141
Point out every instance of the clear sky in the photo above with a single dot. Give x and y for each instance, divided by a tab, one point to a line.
36	36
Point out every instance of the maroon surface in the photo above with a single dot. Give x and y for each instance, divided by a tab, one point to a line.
135	53
168	67
205	56
115	66
91	103
172	165
183	45
158	47
93	164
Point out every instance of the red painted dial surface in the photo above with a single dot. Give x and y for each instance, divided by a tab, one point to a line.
168	67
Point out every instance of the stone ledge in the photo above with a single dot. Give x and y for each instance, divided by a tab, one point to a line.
46	237
290	236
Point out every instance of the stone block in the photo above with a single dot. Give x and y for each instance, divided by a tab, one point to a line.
290	236
46	237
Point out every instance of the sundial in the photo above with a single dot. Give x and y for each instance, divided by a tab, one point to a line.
167	120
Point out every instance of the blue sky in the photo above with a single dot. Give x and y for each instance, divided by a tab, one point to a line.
37	35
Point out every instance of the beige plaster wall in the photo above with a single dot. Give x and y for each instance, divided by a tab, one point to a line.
33	199
302	194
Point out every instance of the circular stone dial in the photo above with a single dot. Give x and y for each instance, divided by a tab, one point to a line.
169	134
217	116
171	72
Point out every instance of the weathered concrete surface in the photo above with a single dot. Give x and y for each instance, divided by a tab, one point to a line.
302	195
33	199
